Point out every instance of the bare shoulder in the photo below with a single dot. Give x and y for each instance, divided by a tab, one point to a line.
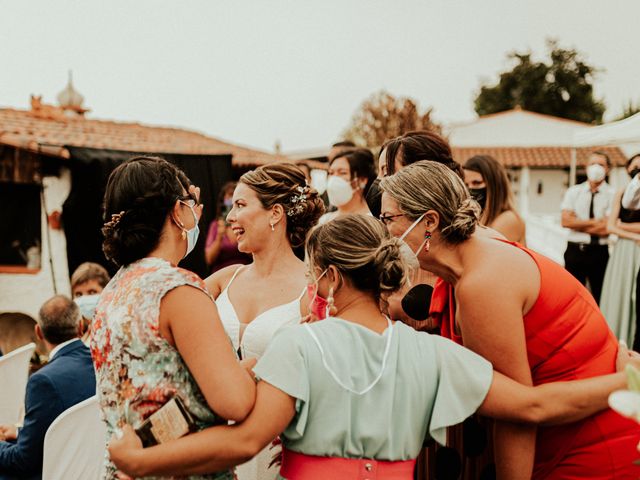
511	225
498	270
216	282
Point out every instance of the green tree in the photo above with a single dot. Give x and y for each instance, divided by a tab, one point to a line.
561	85
383	116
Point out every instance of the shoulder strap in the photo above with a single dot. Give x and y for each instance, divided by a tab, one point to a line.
233	277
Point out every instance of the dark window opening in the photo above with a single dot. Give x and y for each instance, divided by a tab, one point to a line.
20	229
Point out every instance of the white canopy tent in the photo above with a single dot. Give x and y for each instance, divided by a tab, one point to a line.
622	132
615	133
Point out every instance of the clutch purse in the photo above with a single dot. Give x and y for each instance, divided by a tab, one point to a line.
171	421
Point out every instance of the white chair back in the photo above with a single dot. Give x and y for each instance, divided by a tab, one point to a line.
75	444
14	373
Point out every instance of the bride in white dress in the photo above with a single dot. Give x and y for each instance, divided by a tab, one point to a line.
272	212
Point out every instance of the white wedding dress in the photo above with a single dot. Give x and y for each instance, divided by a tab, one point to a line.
251	340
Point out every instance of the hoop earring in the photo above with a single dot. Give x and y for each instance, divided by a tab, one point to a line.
273	228
427	238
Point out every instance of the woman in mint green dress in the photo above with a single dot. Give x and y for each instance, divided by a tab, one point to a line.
356	395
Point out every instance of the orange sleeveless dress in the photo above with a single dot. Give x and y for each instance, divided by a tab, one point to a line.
567	338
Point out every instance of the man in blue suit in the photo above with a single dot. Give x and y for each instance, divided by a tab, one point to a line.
66	380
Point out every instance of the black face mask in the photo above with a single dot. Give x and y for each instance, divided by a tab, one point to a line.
374	198
479	195
634	172
417	302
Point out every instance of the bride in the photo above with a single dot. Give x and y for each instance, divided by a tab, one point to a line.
273	209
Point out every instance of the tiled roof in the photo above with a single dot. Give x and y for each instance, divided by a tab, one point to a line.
23	129
537	156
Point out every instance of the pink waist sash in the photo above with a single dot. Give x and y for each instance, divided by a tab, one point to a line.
298	466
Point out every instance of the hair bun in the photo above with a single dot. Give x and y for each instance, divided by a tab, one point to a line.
391	265
463	223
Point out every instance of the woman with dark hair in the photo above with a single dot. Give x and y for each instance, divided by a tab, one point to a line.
221	247
619	285
156	333
488	184
351	174
356	395
523	312
413	147
273	209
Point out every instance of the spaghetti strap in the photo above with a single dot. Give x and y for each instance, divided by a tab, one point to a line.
234	276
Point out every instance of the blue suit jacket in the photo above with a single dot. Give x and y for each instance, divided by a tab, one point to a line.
65	381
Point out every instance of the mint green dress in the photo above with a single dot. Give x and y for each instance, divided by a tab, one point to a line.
364	395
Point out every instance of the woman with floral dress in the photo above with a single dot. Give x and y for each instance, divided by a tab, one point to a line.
157	334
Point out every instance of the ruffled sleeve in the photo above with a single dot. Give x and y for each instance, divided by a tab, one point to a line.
464	379
284	366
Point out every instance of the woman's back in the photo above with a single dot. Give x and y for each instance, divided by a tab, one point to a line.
137	370
568	338
365	395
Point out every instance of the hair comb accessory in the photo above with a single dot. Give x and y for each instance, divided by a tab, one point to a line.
298	201
115	219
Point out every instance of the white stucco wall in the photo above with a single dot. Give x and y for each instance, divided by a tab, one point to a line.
514	129
26	292
554	184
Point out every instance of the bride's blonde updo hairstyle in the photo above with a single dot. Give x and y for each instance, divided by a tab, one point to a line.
426	185
286	184
363	251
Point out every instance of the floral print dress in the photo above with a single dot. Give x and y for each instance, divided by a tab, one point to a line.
137	370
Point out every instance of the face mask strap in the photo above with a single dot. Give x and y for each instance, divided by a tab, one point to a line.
413	225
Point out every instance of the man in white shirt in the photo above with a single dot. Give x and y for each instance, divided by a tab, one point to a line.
584	211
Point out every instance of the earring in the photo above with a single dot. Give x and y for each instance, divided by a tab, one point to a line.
427	238
331	307
273	229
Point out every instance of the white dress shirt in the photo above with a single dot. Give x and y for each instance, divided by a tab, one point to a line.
578	199
59	347
631	196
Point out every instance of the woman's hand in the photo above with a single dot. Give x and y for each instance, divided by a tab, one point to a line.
195	192
248	364
626	356
124	451
222	228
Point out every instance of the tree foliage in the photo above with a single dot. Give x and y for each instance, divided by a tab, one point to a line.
383	116
561	85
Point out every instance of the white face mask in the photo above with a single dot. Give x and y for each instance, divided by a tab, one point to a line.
596	173
319	180
408	230
192	235
340	191
87	305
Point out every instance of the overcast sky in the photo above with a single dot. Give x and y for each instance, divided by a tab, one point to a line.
295	71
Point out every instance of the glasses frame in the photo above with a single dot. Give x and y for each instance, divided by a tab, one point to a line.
386	219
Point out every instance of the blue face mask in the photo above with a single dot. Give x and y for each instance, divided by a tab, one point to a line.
87	305
192	235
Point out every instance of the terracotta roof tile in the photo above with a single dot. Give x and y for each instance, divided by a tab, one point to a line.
537	156
22	129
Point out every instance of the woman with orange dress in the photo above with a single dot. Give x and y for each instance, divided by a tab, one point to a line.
519	310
